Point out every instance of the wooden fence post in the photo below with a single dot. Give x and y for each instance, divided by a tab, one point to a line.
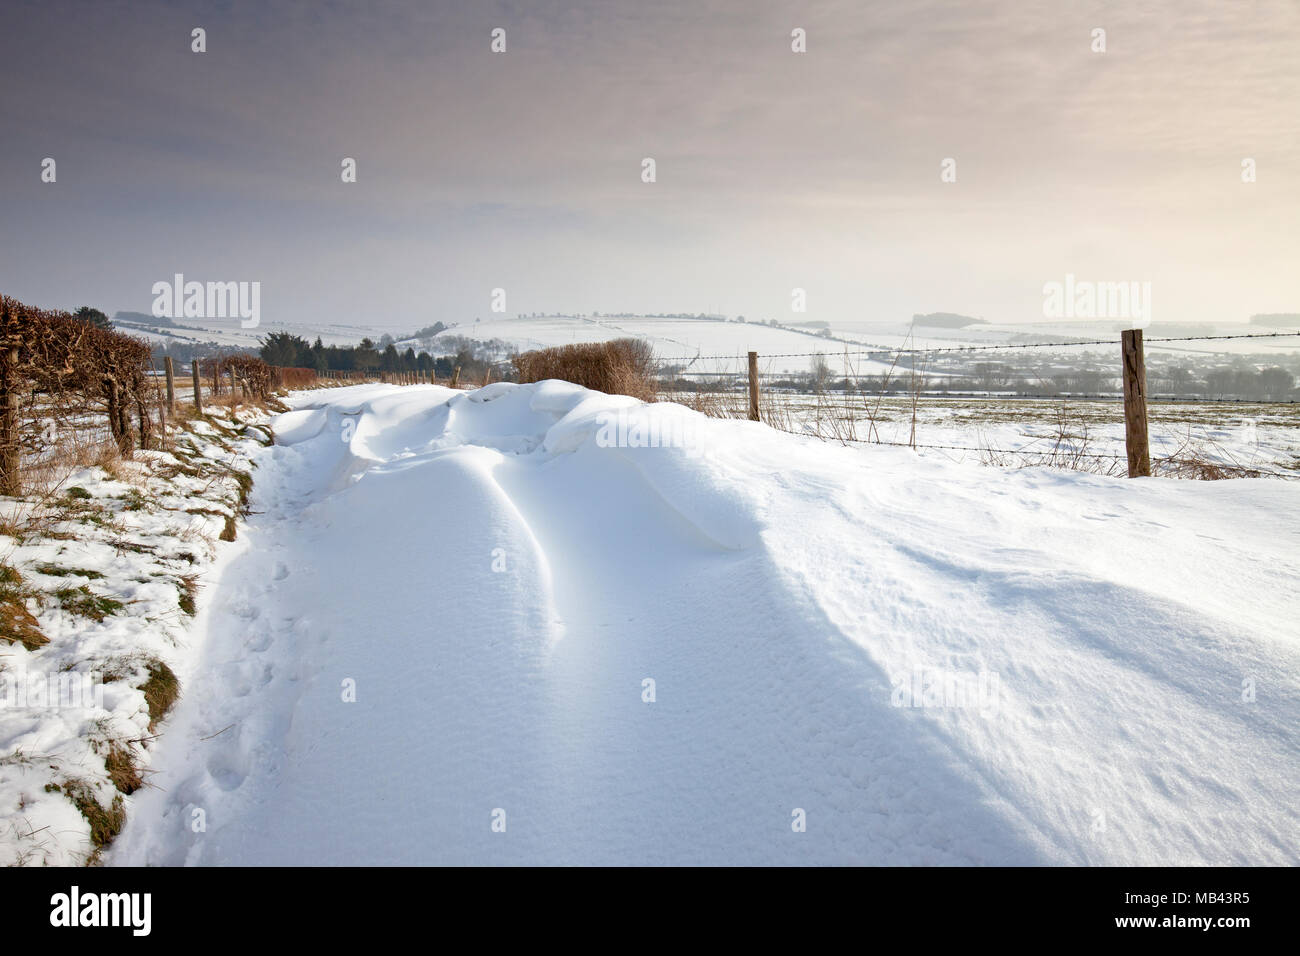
1135	405
171	384
455	377
142	413
198	390
11	450
753	386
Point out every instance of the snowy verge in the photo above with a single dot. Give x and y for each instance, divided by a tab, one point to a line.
99	587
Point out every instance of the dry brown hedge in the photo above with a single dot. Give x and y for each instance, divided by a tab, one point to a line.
292	378
620	367
51	361
252	377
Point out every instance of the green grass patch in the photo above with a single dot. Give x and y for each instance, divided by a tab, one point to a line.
84	602
134	500
54	571
245	481
134	547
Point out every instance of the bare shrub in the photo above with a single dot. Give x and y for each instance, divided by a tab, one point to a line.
1202	460
620	367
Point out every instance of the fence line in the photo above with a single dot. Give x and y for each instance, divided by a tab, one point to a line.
740	383
1135	398
865	349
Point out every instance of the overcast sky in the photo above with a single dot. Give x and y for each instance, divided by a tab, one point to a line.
775	169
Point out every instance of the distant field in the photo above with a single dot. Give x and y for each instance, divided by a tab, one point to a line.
682	340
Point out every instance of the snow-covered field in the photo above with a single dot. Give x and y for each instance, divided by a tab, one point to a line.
229	333
1265	437
535	624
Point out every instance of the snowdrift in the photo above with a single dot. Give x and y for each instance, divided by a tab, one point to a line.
537	624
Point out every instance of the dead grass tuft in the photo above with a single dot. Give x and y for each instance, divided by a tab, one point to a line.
188	586
161	691
122	771
17	624
105	822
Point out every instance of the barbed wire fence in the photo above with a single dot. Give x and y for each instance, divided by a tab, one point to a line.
930	350
847	401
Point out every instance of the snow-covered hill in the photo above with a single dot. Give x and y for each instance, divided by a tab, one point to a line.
503	627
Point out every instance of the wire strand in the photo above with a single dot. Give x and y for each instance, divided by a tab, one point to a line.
883	350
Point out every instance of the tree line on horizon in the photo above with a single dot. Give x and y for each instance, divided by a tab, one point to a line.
287	350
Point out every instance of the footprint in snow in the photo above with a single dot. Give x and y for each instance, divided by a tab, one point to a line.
225	777
249	612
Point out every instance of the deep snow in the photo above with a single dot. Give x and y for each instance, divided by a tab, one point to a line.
498	581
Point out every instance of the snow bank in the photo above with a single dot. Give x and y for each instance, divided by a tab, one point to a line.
630	634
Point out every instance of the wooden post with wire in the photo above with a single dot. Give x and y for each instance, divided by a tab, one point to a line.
455	377
198	386
170	369
1135	405
753	386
